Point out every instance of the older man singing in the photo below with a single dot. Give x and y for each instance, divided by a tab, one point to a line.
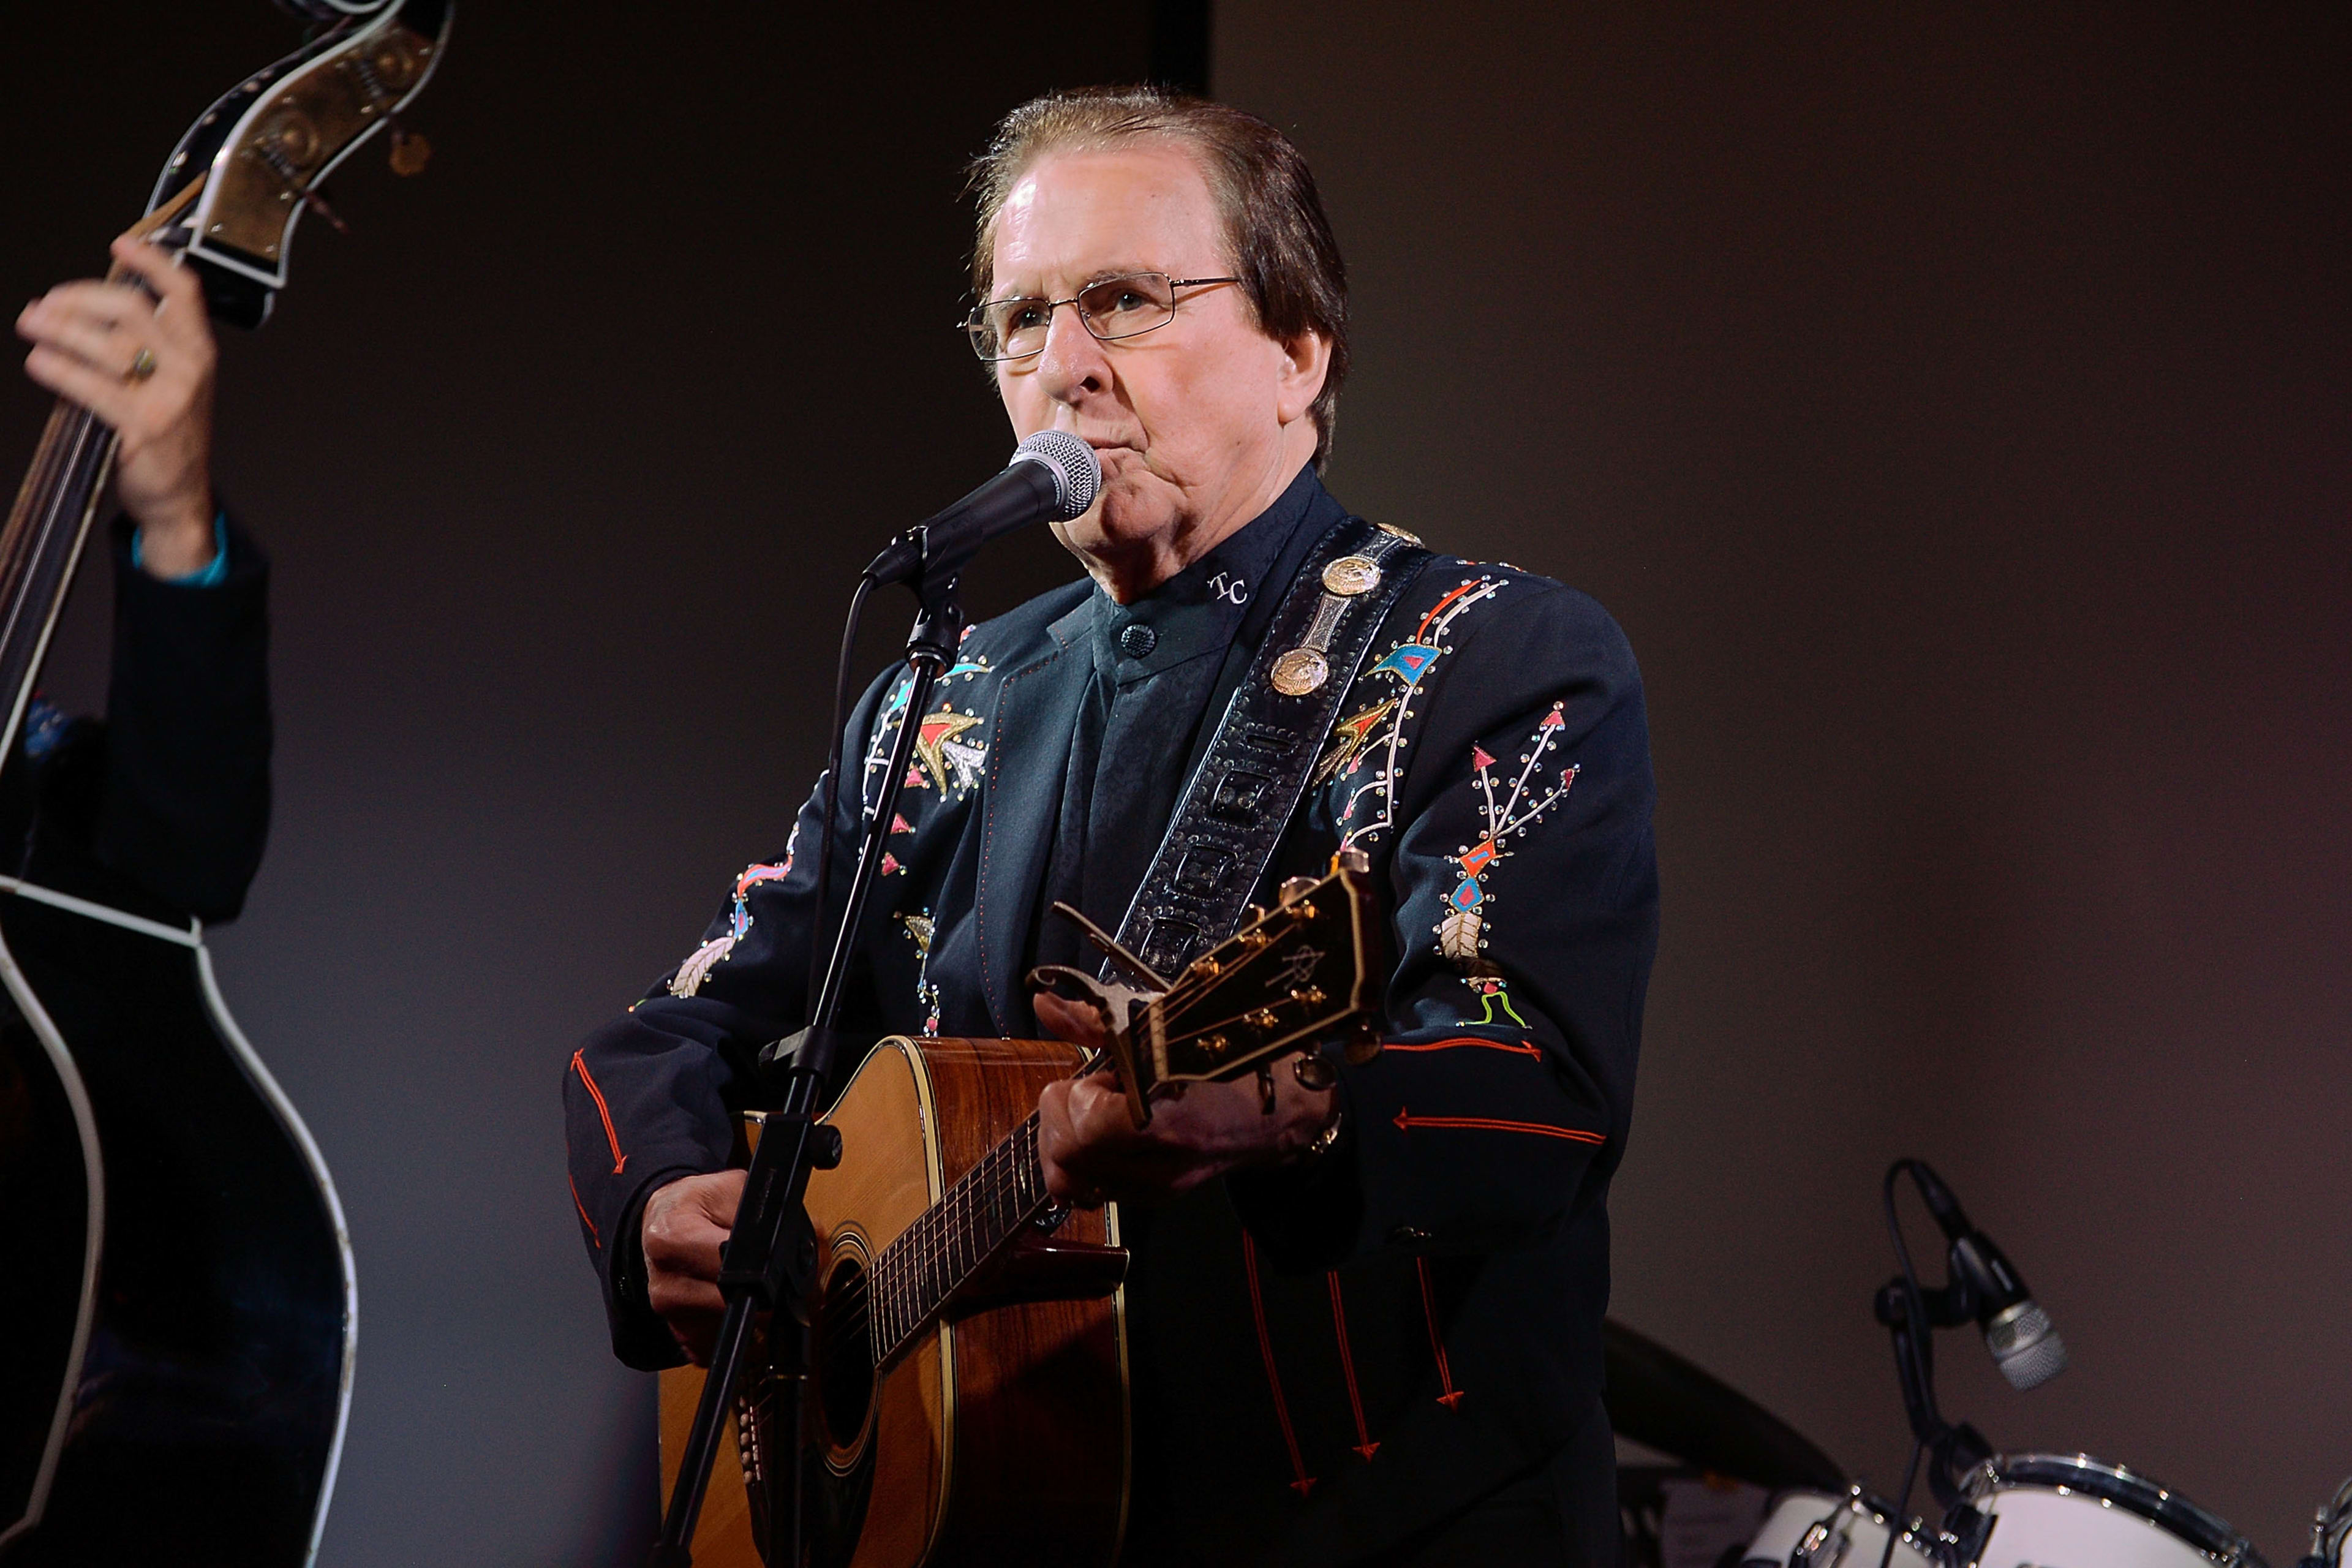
1364	1318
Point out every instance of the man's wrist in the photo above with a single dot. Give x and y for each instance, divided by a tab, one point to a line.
182	549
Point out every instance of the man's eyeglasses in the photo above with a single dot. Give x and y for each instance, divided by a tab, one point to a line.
1113	308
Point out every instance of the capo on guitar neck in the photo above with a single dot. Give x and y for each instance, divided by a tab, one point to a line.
1112	949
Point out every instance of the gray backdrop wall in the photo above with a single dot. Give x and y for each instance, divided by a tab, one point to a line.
1954	410
1953	406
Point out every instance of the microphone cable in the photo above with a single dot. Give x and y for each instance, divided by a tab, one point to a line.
842	676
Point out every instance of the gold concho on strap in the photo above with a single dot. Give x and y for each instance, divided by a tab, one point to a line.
1301	672
1352	575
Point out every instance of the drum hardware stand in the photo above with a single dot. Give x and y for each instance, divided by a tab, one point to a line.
769	1259
2328	1530
1911	1314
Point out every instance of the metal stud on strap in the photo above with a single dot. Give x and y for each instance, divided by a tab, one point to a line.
1306	667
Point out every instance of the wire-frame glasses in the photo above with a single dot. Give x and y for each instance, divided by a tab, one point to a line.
1113	308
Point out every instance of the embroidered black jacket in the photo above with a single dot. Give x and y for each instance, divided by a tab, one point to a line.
1328	1358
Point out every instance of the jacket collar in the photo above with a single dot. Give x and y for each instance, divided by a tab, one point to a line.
1028	752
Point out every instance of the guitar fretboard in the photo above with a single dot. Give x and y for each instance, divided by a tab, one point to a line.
914	1275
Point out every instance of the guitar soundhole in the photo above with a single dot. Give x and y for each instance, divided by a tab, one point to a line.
844	1360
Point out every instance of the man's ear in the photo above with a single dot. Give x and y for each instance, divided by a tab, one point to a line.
1306	361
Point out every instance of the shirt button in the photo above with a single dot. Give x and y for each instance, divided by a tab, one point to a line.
1137	640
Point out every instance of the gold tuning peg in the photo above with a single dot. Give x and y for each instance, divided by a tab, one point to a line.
1296	887
410	151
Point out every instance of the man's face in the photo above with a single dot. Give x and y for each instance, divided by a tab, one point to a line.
1193	421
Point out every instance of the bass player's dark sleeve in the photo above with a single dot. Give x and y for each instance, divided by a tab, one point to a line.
164	805
1525	894
183	803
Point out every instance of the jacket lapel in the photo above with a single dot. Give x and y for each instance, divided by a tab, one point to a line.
1029	750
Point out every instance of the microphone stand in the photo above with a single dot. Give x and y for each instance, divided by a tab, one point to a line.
1911	1314
769	1259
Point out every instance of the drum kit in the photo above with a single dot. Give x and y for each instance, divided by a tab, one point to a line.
2002	1510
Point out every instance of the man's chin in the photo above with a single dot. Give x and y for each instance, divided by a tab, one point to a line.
1135	506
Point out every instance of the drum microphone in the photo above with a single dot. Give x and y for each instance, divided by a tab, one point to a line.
2017	1330
1052	477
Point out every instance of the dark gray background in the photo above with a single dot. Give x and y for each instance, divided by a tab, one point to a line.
1953	409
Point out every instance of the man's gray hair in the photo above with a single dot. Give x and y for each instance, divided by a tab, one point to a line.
1281	244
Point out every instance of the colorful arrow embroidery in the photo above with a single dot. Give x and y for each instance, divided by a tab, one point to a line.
1462	932
919	929
1408	664
702	960
953	762
1350	739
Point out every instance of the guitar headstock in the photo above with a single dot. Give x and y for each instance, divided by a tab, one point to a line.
1302	973
233	188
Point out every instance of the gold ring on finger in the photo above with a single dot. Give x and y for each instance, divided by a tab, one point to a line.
142	366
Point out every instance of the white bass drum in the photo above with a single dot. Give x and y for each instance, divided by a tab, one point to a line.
1814	1529
2051	1510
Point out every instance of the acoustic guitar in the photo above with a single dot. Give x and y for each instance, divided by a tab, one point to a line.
968	1398
176	1299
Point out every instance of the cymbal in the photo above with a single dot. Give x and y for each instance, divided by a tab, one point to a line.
1661	1401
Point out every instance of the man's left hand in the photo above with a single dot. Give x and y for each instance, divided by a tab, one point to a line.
1092	1151
87	341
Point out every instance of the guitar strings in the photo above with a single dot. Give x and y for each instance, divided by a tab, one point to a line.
970	1218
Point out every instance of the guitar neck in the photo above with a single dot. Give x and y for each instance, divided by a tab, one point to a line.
984	1211
42	542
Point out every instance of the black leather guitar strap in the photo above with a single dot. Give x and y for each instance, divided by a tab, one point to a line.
1234	810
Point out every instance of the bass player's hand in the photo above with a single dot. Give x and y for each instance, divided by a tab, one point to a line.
89	339
1091	1148
686	1222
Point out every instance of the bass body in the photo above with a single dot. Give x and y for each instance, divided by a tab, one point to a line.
998	1431
180	1304
176	1296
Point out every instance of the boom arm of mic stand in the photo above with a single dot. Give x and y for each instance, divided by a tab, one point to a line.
758	1269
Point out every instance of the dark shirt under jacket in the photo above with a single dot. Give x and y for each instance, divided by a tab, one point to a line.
1331	1361
164	807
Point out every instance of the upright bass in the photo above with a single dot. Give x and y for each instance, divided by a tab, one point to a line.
177	1302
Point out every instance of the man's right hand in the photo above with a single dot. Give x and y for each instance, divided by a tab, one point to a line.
686	1222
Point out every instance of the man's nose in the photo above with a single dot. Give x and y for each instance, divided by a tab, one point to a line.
1072	363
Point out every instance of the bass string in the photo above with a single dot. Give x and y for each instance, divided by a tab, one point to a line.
38	499
68	482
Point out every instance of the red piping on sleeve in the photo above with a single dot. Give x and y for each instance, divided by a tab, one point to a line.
1518	1048
1364	1444
1452	1397
1304	1485
591	1224
1406	1123
581	1067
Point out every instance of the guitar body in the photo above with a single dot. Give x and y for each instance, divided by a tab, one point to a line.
178	1304
1001	1433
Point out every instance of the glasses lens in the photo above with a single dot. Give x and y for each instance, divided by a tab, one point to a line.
1122	307
1008	329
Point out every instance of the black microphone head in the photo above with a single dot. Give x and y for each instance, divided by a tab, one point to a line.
2026	1346
1077	473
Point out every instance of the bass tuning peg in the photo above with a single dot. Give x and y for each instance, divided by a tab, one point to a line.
410	151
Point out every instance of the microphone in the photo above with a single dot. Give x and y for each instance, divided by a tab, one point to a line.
2018	1332
1052	475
